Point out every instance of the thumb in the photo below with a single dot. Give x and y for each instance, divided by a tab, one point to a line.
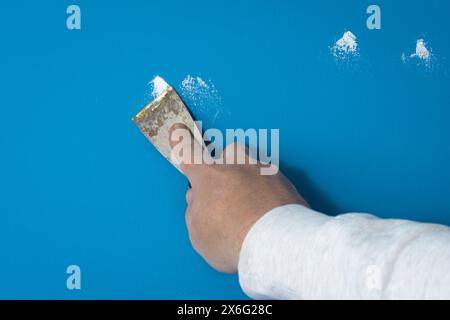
186	150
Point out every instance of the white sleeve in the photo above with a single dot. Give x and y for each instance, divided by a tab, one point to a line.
293	252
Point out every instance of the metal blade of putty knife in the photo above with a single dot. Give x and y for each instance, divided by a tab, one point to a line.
156	118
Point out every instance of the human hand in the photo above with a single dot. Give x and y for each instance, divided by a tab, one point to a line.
226	200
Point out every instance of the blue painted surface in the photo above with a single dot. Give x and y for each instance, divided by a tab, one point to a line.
79	184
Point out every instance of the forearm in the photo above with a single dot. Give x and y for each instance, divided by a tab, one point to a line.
295	253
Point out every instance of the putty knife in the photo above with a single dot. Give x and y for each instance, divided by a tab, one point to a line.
158	116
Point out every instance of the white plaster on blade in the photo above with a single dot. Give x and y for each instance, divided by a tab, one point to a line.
158	86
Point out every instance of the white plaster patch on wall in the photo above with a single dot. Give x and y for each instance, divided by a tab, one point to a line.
202	98
422	56
421	51
346	47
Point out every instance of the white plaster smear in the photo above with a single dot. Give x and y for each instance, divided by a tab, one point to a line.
347	46
421	56
421	51
202	98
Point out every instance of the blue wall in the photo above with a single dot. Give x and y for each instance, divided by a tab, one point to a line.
79	184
